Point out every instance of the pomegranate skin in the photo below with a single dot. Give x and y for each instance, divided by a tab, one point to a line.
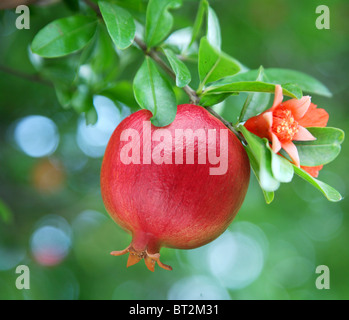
173	205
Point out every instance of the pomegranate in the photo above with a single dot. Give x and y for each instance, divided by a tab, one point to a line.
165	185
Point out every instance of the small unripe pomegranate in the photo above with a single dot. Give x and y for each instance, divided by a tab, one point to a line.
179	186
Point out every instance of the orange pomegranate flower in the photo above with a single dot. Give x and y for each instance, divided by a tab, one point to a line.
285	122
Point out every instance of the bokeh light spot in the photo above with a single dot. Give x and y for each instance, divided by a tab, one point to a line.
51	241
37	136
93	139
236	259
198	288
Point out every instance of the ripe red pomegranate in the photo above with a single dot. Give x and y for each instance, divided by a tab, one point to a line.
173	204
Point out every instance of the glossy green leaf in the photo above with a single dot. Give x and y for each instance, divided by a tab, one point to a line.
263	159
215	65
323	150
229	85
153	92
287	78
281	168
304	81
159	21
181	71
212	99
268	181
64	36
88	52
136	6
214	36
198	21
120	24
121	91
329	192
256	102
294	89
268	195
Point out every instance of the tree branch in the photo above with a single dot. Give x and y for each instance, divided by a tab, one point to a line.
227	124
26	76
94	7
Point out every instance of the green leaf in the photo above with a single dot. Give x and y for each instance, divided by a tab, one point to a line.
262	157
281	168
256	102
304	81
294	89
212	99
5	213
198	21
61	70
213	29
103	62
181	71
91	116
137	7
120	24
214	65
64	95
228	85
178	41
64	36
287	78
323	150
268	195
82	99
154	93
158	20
88	52
121	91
330	193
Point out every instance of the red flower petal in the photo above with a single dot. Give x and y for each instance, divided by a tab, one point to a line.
260	125
298	107
291	149
314	117
278	97
303	135
313	171
275	143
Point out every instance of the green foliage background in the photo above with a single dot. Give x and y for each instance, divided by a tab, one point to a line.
297	232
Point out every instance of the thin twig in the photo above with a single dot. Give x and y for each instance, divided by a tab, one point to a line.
155	56
94	7
227	124
26	76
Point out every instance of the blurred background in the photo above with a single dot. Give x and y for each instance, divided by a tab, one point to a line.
52	216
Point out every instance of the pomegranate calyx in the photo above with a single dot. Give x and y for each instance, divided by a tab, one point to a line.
135	256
